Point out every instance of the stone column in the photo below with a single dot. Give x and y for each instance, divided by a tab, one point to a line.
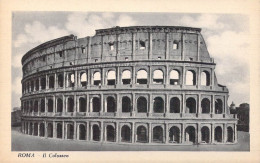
102	108
117	132
40	86
166	133
133	76
133	111
213	104
199	133
102	77
89	49
212	77
183	133
46	103
235	133
183	103
75	130
91	132
64	80
55	81
225	133
183	76
150	133
133	132
118	79
198	83
198	47
150	50
133	47
118	111
102	132
199	104
63	104
47	81
182	47
54	130
54	104
167	46
76	78
167	108
212	133
166	80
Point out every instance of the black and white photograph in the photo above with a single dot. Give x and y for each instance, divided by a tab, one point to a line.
133	81
109	81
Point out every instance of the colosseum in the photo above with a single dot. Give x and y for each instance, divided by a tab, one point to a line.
126	85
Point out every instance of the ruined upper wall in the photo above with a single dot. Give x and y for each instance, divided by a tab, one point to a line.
119	44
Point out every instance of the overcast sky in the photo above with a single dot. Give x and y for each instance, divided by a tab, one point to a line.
226	37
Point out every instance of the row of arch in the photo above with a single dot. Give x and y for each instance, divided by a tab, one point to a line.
126	105
141	133
141	78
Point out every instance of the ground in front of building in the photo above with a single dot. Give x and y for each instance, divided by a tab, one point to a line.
22	142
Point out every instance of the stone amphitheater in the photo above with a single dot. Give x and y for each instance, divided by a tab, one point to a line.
126	85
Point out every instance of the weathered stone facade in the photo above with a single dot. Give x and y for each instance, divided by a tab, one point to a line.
142	84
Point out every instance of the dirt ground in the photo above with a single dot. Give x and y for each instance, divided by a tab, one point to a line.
22	142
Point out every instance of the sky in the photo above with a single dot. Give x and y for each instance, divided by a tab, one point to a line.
226	37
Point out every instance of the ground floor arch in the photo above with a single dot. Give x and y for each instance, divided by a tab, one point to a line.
174	134
142	134
230	134
158	134
59	130
95	133
205	134
218	134
190	134
125	134
82	132
111	133
70	131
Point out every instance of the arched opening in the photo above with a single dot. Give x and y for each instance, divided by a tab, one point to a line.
31	106
71	80
158	105
32	86
111	104
230	135
59	105
35	132
126	77
96	104
190	77
50	130
205	78
82	104
70	105
59	130
205	134
37	85
218	134
218	106
175	105
142	134
42	105
190	105
141	105
126	134
111	133
126	104
70	131
205	105
35	109
190	134
43	83
96	133
158	77
174	77
60	80
83	79
82	132
158	134
111	77
50	105
51	82
97	78
42	130
174	134
141	77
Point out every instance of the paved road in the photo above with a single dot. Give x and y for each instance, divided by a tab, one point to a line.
21	142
